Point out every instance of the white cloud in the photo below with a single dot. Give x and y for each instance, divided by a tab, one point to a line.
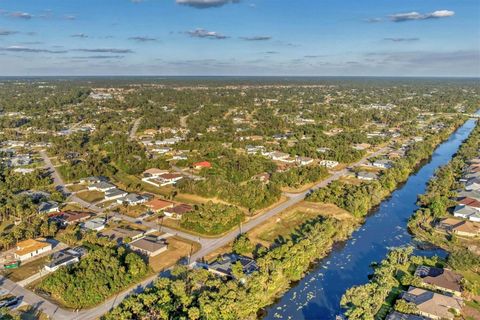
409	16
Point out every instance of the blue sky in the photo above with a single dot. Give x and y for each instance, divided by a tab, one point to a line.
240	37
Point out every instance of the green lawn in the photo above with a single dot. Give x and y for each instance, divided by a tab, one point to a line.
90	196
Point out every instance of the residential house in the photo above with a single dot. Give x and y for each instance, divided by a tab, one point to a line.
473	184
202	165
278	156
323	150
96	224
101	186
92	180
382	164
153	172
329	163
255	149
440	279
24	171
223	266
433	305
395	315
30	248
367	176
69	217
48	207
177	211
149	246
158	205
465	212
121	235
475	194
361	146
460	227
132	199
64	257
163	179
304	161
115	193
470	202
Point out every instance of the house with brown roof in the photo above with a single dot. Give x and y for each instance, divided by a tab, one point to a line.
158	205
149	246
460	227
440	279
433	305
70	217
177	211
30	248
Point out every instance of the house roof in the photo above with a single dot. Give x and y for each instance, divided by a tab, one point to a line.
474	194
29	246
432	303
157	204
121	234
225	263
470	202
441	278
180	209
170	176
154	171
148	244
395	315
467	227
203	164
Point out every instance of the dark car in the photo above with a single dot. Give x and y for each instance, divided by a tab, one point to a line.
9	302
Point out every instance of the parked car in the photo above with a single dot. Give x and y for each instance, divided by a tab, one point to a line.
9	302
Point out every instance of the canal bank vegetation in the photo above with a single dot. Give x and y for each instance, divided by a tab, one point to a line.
198	294
390	277
437	200
359	199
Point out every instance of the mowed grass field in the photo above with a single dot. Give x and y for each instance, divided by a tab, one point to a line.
90	196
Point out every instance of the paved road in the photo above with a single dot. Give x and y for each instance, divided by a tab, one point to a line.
60	185
134	129
207	246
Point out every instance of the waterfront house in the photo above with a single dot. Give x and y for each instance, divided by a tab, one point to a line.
368	176
460	227
382	164
223	266
440	279
395	315
433	305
